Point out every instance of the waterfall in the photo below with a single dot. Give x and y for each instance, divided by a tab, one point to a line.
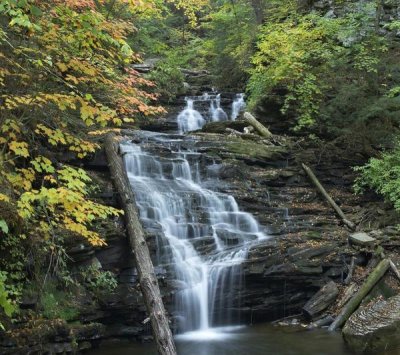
217	113
237	105
190	119
177	207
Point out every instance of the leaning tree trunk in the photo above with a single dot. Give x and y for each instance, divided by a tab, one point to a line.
352	305
330	200
148	281
258	126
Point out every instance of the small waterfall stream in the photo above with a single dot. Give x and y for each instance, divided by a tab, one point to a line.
191	119
176	203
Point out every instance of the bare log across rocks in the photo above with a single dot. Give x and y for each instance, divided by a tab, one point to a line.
323	322
333	204
351	270
148	281
321	300
259	127
352	305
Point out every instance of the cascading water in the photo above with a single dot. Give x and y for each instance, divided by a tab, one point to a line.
217	113
190	119
237	106
172	199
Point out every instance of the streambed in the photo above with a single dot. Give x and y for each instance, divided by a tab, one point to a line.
261	339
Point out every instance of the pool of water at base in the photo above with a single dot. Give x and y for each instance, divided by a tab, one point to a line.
253	340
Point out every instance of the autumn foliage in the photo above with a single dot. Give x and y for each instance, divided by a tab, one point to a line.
65	71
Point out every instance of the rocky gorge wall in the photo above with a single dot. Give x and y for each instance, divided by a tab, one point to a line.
307	246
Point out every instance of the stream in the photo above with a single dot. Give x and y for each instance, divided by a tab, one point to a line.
261	339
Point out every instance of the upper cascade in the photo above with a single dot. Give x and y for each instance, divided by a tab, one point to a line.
191	119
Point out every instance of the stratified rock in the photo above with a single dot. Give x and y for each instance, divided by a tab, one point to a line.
362	239
374	327
321	300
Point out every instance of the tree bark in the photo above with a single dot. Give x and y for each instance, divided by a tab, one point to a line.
333	204
351	270
259	127
394	269
148	281
352	305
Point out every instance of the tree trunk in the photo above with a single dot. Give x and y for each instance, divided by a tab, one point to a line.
333	204
259	127
352	305
258	9
148	281
351	270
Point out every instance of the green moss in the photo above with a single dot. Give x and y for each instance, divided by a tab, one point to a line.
58	304
254	149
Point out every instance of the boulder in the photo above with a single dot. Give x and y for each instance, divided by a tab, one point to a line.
362	239
374	326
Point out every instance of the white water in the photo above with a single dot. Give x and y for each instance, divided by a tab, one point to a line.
171	197
238	105
217	113
190	119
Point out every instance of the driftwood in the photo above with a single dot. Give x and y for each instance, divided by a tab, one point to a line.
394	269
351	270
233	131
321	300
333	204
323	322
148	281
259	127
348	293
352	305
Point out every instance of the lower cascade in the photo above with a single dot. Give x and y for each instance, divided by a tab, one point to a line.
177	203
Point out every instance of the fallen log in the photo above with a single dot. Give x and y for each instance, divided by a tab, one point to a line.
347	294
259	127
351	270
321	300
352	305
233	132
395	269
148	281
323	322
333	204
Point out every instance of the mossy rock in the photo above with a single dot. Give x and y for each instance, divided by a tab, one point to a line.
255	149
220	127
374	327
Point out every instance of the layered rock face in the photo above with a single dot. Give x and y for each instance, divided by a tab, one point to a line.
307	246
374	326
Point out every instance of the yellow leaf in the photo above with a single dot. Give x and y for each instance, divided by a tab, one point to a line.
19	148
4	198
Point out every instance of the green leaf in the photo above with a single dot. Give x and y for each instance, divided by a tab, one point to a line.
35	11
3	226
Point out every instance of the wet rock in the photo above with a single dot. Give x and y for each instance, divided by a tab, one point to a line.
375	326
321	300
362	239
310	253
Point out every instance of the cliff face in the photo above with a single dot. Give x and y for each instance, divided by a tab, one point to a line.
307	246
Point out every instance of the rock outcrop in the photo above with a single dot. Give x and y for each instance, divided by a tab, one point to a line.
374	326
